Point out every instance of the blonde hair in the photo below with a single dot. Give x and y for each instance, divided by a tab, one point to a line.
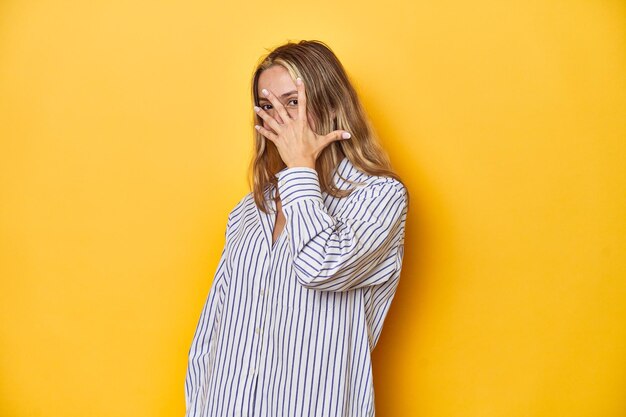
328	88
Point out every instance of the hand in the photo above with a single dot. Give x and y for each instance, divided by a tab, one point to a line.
297	144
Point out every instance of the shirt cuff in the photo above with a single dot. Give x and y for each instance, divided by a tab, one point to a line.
298	183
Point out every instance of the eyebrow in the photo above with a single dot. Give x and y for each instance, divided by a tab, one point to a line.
287	94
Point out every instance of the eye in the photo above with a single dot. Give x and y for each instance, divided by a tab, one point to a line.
296	100
264	106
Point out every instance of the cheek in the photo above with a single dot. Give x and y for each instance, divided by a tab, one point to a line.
293	113
267	126
270	114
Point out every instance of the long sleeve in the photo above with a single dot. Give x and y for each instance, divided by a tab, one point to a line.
358	246
201	350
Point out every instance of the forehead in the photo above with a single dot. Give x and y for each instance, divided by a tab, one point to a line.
276	79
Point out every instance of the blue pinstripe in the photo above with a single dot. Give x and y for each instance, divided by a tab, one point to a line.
287	328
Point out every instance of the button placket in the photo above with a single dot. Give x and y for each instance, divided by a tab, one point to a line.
259	332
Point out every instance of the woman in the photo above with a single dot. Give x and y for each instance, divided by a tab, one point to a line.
312	255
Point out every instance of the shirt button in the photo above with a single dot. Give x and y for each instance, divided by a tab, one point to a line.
262	291
281	182
252	371
257	330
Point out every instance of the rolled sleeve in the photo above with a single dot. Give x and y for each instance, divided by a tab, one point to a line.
358	246
297	183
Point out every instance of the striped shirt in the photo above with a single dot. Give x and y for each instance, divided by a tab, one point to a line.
288	327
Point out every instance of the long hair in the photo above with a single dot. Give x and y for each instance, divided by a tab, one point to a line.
328	87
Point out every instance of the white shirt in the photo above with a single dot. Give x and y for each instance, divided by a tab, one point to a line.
287	328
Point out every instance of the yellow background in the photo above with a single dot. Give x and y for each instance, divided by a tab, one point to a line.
125	133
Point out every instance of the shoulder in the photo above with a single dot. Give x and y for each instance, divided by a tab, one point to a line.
379	188
240	206
377	199
237	213
366	184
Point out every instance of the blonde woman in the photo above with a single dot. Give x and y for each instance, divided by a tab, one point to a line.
312	255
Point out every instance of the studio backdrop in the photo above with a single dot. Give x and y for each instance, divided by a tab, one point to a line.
125	138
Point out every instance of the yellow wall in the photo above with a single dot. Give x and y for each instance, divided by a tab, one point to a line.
125	136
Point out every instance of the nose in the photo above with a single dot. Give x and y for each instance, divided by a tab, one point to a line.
276	116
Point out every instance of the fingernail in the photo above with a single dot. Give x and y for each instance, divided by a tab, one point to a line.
265	92
345	135
257	127
298	80
256	108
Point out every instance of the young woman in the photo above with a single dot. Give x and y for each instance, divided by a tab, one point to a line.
312	255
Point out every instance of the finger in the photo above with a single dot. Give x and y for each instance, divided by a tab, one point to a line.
267	133
337	135
277	105
301	99
268	118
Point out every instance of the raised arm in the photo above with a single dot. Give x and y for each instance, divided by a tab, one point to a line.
358	246
202	345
